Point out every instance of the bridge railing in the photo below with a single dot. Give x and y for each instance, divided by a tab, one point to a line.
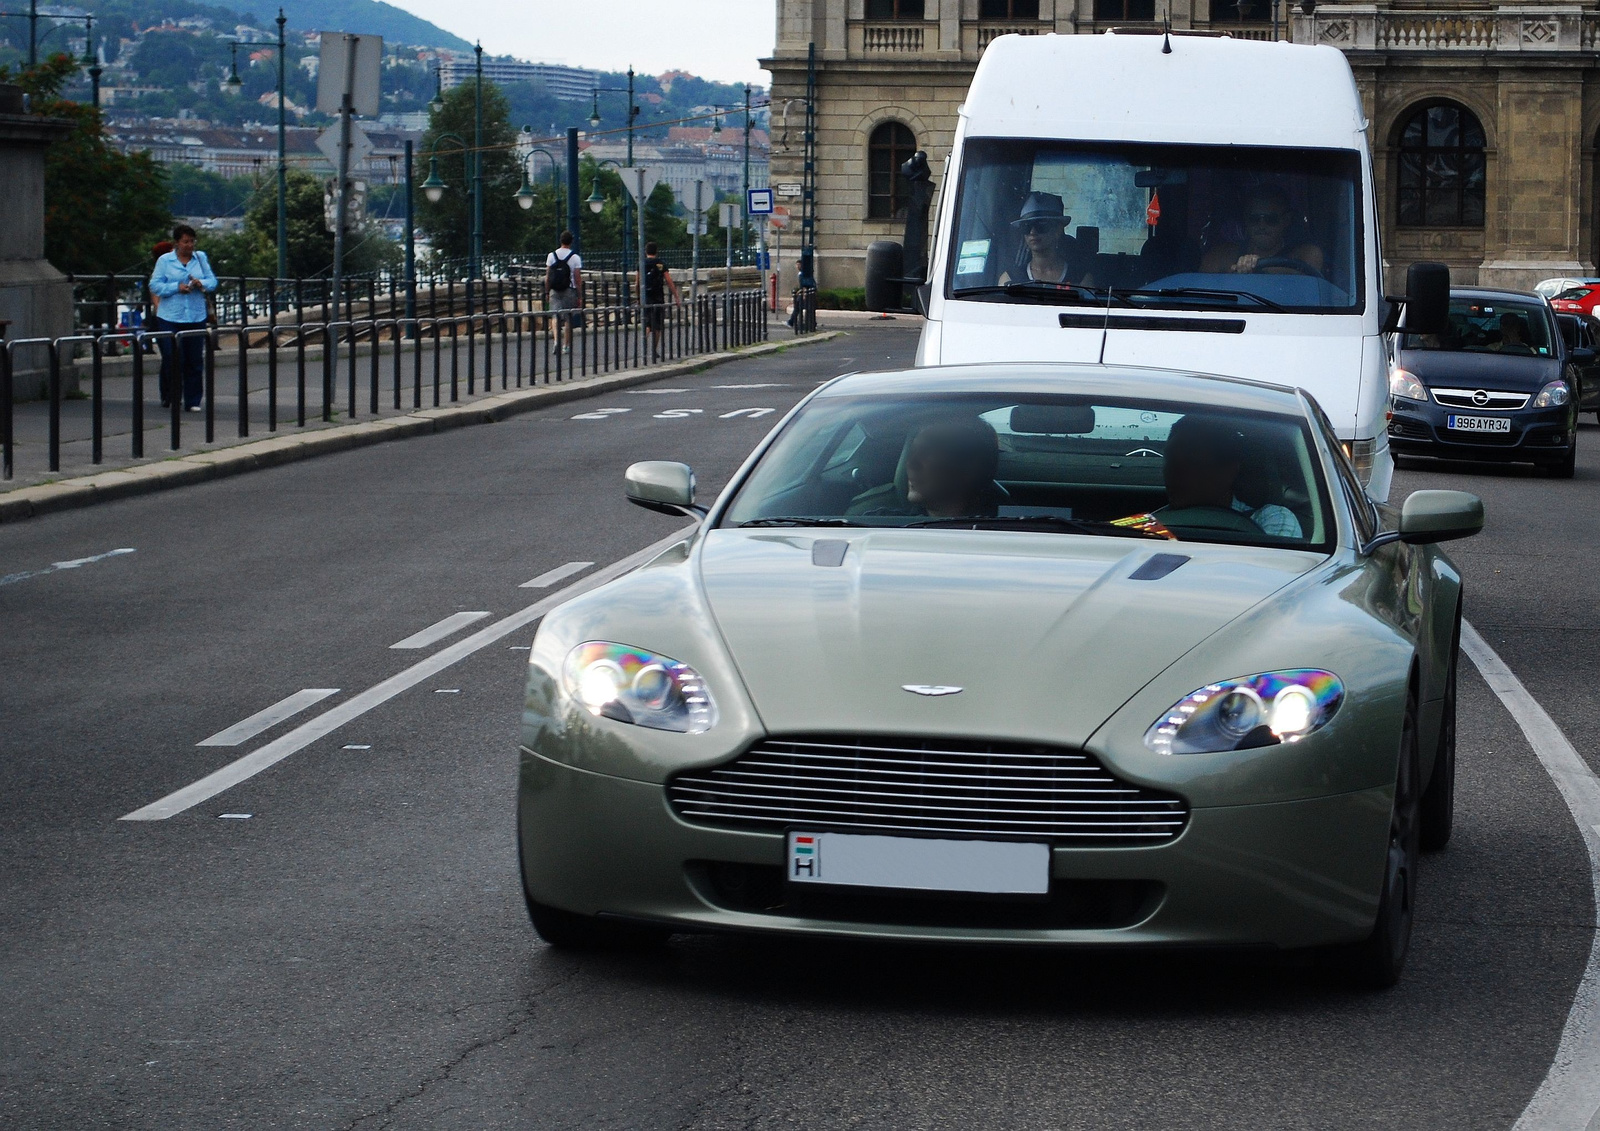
315	371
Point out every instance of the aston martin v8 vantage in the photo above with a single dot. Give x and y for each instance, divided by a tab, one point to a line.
1009	654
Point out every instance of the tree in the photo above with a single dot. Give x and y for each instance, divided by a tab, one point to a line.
103	209
254	251
449	222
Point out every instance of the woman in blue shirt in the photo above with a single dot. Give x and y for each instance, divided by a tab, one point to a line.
181	280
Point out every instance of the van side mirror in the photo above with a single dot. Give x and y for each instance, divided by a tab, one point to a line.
1427	298
1439	516
663	486
885	269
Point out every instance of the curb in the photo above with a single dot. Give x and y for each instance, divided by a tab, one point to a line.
144	479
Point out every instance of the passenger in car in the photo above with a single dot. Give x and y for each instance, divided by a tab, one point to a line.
1048	254
946	471
1204	458
1268	222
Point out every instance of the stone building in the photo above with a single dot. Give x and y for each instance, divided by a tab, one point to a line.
1483	119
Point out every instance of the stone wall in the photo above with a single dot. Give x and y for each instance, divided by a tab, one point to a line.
35	298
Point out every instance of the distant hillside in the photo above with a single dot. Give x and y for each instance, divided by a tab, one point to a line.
372	17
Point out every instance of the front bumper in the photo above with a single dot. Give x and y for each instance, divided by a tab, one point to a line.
1537	435
1294	874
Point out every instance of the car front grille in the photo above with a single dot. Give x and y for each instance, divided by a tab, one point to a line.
1492	402
927	786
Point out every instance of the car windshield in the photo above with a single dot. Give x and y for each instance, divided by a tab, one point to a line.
1516	327
1122	467
1194	226
1574	294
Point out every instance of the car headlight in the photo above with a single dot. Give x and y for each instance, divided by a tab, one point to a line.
1254	710
1553	395
631	685
1404	384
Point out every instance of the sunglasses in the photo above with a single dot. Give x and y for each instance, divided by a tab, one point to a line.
1264	217
1045	226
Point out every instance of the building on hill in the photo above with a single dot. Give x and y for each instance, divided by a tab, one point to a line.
1484	120
695	153
570	83
246	152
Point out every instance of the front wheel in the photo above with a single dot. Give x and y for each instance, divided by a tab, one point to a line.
1376	962
1563	467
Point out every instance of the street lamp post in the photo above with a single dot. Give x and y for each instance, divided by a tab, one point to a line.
475	265
744	206
525	195
283	161
92	57
627	202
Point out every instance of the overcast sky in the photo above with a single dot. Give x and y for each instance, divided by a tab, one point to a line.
716	39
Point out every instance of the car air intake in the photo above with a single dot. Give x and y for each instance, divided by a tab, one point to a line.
927	787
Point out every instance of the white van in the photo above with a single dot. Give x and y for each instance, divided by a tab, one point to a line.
1187	202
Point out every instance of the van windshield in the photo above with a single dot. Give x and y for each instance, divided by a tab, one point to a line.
1183	226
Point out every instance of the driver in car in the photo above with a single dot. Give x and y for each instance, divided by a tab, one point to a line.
1203	459
949	473
1268	217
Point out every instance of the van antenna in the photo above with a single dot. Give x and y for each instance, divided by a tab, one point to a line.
1166	32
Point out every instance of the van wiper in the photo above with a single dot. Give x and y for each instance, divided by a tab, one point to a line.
1206	292
1065	293
1039	522
800	520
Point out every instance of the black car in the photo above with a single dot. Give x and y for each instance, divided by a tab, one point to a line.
1500	384
1581	333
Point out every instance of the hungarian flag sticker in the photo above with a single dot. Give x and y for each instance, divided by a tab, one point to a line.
804	863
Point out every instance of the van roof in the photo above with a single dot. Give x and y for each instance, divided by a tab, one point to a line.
1209	90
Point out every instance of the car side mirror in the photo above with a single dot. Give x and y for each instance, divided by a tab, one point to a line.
1439	516
1427	298
663	486
1582	355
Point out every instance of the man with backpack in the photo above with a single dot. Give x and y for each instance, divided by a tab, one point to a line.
654	283
563	286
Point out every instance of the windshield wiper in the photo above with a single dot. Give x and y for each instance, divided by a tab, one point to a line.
801	520
1039	522
1061	292
1206	292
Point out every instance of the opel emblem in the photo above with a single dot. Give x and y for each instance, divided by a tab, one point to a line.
1480	398
931	689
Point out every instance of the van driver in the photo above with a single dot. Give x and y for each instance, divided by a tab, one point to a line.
1267	220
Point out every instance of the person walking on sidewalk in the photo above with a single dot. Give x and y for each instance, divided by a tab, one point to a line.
654	283
181	280
563	286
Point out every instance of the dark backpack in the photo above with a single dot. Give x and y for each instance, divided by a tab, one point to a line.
558	275
655	281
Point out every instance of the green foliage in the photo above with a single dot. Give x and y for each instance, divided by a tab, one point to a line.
449	222
197	192
103	209
254	251
842	298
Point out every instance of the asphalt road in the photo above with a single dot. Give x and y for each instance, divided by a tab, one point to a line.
355	953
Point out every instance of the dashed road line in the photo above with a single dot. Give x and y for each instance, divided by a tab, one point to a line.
436	632
1569	1096
550	576
353	708
269	717
74	563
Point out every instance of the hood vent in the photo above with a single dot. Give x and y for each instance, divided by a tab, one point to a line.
1158	566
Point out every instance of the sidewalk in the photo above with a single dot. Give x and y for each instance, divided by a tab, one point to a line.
80	482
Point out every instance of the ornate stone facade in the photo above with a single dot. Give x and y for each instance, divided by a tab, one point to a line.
1483	120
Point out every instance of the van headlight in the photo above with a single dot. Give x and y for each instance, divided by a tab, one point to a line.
1553	395
630	685
1404	385
1251	711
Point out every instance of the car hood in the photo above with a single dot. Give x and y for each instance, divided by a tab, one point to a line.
1045	634
1460	370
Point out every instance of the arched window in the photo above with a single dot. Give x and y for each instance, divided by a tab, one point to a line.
891	145
1441	178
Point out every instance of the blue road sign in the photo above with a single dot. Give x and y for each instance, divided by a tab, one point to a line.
758	202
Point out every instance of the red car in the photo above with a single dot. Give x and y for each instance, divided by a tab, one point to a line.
1578	300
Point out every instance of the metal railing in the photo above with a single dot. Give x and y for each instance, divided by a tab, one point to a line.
369	363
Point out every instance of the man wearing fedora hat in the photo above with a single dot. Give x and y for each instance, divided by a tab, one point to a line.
1048	254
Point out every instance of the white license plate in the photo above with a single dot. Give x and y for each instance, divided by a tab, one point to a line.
855	860
1479	423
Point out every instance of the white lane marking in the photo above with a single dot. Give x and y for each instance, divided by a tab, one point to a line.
677	413
74	563
601	414
755	385
437	631
447	691
551	576
356	746
752	413
269	717
357	705
234	816
655	392
1569	1096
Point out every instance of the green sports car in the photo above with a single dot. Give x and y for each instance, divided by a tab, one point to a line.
1009	654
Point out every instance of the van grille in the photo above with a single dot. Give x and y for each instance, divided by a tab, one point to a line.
927	786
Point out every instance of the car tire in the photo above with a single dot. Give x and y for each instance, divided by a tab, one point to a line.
1438	804
1375	962
568	930
1566	466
